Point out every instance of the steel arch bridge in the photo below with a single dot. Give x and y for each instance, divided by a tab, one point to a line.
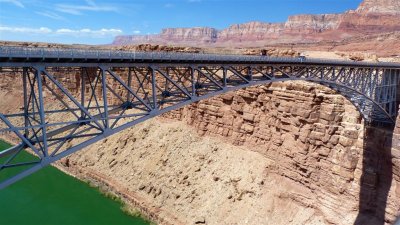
72	98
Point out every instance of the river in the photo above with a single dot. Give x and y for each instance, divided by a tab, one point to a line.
51	197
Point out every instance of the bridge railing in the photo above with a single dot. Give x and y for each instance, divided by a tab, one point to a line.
45	53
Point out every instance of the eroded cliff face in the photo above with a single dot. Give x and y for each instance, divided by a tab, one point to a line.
303	149
371	17
251	31
312	23
379	6
316	138
369	23
199	34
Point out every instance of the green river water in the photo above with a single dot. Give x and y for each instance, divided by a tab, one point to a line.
51	197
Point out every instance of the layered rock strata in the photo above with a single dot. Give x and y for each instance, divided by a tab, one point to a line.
371	17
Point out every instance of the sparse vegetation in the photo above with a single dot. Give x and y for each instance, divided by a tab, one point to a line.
125	208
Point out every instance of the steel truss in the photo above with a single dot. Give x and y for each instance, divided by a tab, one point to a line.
67	107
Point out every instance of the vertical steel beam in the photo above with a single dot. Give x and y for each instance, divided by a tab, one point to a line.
105	102
83	90
128	97
26	104
153	87
250	72
43	125
225	74
193	81
167	71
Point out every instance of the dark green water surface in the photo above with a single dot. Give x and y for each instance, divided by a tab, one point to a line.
51	197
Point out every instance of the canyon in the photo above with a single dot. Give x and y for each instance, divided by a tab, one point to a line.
371	18
283	153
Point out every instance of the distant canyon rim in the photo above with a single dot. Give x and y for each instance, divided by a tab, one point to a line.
374	21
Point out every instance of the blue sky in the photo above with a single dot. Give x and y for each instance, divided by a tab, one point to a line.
99	21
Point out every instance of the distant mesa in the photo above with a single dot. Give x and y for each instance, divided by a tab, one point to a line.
371	17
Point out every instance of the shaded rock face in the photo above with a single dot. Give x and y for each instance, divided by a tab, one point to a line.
370	18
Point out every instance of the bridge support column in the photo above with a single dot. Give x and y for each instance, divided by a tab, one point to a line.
128	97
105	101
193	82
26	106
83	89
43	126
153	87
225	73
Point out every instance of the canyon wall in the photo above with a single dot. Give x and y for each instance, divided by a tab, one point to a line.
371	17
316	138
301	137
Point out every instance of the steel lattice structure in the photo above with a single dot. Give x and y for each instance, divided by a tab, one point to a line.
73	98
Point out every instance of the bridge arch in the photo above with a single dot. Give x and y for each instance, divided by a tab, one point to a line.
113	94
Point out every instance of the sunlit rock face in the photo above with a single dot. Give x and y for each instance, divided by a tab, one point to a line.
380	6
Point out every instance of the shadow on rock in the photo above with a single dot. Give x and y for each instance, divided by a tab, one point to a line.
377	175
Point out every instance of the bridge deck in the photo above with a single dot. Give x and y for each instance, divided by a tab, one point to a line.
53	55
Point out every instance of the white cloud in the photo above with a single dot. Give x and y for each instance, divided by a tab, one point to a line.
137	32
101	33
89	33
169	5
14	2
41	30
51	15
79	9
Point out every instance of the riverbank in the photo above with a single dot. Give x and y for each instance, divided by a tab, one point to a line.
134	204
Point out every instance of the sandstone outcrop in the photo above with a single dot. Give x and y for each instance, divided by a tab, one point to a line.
381	7
273	52
157	48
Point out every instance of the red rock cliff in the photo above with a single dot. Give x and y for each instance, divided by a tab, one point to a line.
370	17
